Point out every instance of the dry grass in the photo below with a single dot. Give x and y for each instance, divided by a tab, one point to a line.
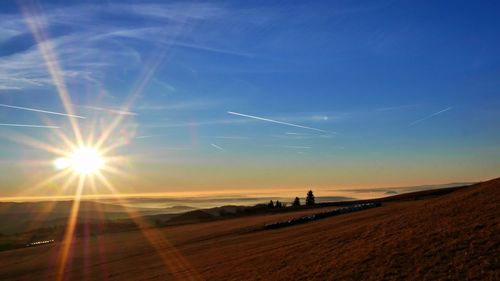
451	237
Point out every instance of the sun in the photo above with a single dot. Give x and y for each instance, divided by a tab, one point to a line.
83	161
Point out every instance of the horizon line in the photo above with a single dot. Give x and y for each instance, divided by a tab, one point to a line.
234	192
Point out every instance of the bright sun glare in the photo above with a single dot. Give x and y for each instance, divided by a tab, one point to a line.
83	161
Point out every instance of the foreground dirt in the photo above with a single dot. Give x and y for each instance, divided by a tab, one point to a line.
450	237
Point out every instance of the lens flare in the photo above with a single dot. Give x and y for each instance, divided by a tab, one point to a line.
83	161
61	163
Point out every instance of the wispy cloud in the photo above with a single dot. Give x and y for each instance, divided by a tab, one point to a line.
231	138
28	126
217	147
275	121
299	136
108	110
307	117
40	111
203	104
149	136
26	69
210	49
144	137
396	107
180	124
226	137
184	105
430	116
173	11
171	24
298	147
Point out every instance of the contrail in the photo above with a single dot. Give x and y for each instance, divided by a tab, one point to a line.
29	126
298	147
232	138
41	111
275	121
110	110
149	136
144	137
396	107
430	116
218	147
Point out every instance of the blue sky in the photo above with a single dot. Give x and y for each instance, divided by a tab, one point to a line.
406	92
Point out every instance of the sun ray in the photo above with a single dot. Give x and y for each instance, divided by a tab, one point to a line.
40	217
115	171
84	157
62	137
72	179
172	258
148	72
70	229
111	147
115	159
36	22
100	213
43	183
93	187
28	141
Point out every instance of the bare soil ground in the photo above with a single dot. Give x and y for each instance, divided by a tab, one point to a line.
449	236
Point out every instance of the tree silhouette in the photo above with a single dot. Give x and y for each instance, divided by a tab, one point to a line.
271	204
278	204
296	202
310	198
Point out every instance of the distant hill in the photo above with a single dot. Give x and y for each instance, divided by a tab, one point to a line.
25	216
176	209
382	191
192	216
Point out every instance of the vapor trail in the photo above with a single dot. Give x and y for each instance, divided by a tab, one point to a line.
430	116
28	126
218	147
41	111
275	121
114	111
231	138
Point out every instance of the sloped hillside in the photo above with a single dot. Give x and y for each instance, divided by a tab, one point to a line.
456	236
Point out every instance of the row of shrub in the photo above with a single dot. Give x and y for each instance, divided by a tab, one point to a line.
322	215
